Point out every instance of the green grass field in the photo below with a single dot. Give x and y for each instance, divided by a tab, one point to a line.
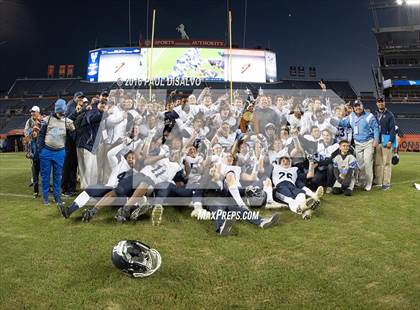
359	252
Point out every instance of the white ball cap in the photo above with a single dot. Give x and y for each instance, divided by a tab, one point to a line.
35	108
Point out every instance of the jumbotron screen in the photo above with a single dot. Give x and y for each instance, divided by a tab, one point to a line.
208	64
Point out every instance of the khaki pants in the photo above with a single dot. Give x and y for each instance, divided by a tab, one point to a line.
364	156
88	170
383	166
104	169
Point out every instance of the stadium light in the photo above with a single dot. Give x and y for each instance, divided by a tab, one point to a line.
408	2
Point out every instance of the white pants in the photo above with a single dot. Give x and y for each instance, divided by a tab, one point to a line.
364	156
104	169
88	169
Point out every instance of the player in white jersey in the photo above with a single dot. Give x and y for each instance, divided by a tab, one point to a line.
157	169
289	183
227	177
343	133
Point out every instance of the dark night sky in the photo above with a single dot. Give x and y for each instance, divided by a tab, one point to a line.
333	35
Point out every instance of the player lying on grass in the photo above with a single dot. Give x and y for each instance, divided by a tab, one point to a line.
345	165
290	187
124	167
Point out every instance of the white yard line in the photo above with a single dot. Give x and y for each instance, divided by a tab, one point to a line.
15	195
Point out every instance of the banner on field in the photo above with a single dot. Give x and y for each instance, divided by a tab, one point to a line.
410	143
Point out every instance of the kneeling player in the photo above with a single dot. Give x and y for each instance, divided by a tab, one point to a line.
290	187
344	165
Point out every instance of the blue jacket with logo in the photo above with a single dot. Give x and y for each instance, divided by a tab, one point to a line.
386	122
365	127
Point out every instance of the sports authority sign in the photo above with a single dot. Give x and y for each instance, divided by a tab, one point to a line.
180	42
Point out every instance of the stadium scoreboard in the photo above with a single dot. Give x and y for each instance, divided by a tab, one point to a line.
206	64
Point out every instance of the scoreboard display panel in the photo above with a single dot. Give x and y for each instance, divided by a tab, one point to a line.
207	64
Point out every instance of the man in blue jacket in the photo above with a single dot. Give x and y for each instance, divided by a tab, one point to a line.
366	138
383	152
85	139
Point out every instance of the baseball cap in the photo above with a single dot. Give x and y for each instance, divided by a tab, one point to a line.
85	99
357	103
35	108
78	95
104	93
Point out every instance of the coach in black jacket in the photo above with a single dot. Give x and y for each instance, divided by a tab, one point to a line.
69	177
85	140
383	152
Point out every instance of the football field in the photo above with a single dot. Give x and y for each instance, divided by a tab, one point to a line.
358	252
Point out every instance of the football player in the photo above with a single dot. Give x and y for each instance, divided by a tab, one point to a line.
345	165
95	191
227	176
290	187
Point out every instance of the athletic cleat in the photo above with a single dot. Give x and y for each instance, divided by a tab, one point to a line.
307	215
319	193
329	190
368	188
386	187
302	208
88	214
35	195
270	221
198	208
63	210
120	219
348	192
157	215
122	214
139	210
226	227
312	203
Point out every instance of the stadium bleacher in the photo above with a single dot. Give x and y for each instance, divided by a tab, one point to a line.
14	123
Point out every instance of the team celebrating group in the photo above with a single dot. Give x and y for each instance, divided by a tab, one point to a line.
215	153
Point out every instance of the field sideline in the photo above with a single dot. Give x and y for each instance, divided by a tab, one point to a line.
357	252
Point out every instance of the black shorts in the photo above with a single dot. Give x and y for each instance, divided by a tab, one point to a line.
98	191
128	185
